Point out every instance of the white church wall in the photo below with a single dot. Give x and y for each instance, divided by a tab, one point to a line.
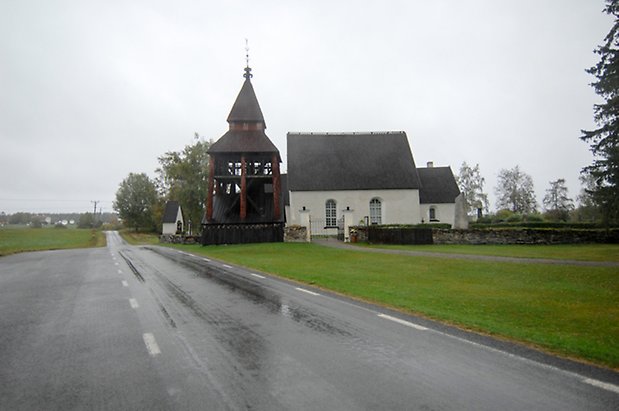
397	206
444	213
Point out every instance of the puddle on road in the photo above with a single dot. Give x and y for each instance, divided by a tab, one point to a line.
257	294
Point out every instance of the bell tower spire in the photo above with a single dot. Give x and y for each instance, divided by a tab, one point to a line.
247	74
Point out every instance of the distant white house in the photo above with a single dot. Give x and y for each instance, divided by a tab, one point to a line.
173	222
371	177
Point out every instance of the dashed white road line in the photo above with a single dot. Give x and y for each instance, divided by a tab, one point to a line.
207	260
125	284
116	263
227	266
120	271
257	275
403	322
151	344
604	385
306	291
133	302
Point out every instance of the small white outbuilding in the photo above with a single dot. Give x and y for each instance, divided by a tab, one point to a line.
173	222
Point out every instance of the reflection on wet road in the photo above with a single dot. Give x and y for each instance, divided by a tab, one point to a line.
254	342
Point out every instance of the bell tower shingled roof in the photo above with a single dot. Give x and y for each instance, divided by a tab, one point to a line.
246	125
246	107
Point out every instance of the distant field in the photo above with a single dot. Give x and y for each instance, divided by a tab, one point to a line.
580	252
566	309
16	240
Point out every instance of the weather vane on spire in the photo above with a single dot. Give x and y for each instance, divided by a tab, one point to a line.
247	74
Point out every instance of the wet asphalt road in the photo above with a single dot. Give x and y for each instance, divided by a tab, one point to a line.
152	328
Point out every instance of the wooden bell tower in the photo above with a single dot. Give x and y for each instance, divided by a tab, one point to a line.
244	184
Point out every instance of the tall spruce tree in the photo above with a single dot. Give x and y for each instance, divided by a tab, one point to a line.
603	140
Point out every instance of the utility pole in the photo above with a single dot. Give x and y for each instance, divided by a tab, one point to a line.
94	213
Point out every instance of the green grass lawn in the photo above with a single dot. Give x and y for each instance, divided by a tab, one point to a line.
581	252
566	309
16	240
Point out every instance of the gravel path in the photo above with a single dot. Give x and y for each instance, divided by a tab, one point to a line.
348	246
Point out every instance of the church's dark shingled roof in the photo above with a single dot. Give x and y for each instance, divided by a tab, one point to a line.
170	212
438	185
239	141
350	161
246	107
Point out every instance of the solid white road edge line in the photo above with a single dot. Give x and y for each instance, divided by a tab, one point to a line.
257	275
399	321
227	266
125	284
207	260
151	344
307	291
604	385
133	302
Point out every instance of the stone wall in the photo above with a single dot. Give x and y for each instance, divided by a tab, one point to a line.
360	232
524	236
179	239
295	234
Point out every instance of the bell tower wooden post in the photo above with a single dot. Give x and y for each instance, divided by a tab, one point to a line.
211	188
243	211
276	187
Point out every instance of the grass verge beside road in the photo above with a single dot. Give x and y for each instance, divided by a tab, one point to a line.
139	238
566	309
17	240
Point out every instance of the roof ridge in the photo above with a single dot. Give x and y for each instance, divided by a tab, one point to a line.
346	133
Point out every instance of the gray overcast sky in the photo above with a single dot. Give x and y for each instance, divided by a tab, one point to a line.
93	90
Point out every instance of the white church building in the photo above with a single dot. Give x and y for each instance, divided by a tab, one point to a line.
369	177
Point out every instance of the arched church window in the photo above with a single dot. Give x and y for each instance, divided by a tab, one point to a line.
330	213
376	211
433	214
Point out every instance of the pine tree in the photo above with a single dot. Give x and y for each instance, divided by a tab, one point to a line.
603	140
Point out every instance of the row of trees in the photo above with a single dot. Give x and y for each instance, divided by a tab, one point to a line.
514	192
181	176
599	198
37	220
